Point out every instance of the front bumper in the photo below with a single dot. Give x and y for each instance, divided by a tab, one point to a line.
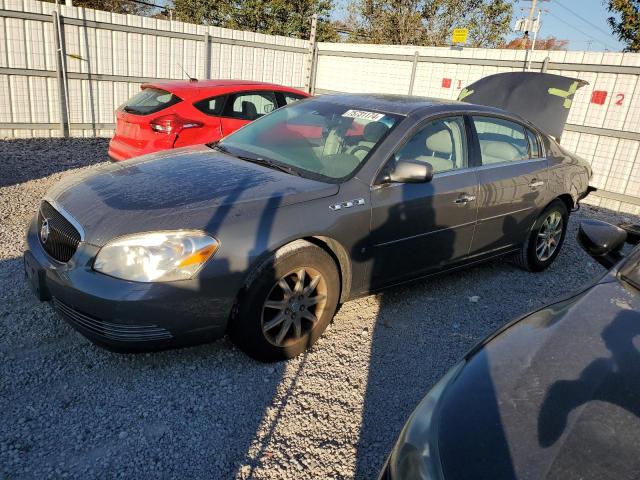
124	315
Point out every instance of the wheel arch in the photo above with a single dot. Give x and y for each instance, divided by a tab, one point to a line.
342	259
565	198
335	250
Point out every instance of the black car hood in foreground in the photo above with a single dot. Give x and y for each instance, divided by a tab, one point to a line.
556	395
191	188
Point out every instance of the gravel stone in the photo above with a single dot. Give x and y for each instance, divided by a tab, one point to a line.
70	409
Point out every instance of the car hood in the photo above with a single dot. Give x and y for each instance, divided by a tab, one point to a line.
194	188
556	395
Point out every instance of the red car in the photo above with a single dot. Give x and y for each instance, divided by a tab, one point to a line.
180	113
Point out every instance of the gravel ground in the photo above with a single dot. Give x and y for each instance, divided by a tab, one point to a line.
68	408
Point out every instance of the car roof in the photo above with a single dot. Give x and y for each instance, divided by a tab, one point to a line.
190	89
404	104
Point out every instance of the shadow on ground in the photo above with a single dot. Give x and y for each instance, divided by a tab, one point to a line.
210	411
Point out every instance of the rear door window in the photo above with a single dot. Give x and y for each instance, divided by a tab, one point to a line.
501	140
211	106
150	100
534	145
250	106
287	98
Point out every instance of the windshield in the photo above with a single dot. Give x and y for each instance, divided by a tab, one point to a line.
316	138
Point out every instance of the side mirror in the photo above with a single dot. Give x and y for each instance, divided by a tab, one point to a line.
602	241
410	171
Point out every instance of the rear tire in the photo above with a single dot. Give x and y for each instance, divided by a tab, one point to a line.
545	238
287	304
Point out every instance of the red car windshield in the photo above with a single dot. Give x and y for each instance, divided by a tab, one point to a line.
319	138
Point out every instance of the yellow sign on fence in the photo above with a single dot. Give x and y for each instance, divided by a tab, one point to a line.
460	35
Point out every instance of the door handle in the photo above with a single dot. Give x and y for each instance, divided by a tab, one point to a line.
464	199
536	184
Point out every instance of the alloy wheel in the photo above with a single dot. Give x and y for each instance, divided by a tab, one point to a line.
293	306
549	236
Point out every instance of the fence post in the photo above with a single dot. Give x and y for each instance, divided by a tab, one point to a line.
309	83
413	72
61	74
207	57
314	71
545	65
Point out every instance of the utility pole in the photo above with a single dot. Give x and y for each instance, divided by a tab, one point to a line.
526	33
309	83
535	36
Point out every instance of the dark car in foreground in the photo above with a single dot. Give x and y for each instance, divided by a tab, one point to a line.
553	395
263	234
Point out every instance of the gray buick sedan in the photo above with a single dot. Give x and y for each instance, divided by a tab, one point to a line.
263	234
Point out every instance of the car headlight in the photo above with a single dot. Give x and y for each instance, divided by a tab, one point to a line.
156	256
415	455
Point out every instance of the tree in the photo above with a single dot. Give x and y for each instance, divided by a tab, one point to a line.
275	17
397	22
625	22
117	6
489	23
431	22
549	43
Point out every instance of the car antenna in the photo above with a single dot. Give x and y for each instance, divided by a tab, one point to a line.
191	79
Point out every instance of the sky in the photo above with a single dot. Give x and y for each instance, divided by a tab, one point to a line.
559	21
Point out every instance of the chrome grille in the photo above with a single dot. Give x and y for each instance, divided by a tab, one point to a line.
59	237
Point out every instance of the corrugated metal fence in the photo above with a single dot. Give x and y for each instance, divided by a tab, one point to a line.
109	55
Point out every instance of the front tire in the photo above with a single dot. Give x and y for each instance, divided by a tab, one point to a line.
288	303
545	238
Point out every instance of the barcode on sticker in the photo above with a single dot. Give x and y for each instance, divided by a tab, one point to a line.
373	116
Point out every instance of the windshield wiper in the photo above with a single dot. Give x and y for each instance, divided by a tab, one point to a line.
257	160
133	110
269	164
217	146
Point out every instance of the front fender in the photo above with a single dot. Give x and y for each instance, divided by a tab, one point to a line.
248	240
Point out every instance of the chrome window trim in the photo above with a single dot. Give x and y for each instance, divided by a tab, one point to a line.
453	171
511	162
465	170
448	173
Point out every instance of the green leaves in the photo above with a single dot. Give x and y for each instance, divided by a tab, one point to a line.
431	22
275	17
117	6
625	22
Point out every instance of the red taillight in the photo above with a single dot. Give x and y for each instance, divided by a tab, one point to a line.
173	124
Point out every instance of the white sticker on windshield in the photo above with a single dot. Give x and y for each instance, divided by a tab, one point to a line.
373	116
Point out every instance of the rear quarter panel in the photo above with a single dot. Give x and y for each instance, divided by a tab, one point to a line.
568	174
